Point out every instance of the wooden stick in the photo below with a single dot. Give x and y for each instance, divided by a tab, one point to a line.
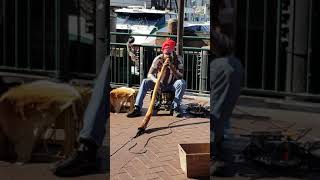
153	99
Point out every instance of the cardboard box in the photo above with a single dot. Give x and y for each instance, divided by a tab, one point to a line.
195	159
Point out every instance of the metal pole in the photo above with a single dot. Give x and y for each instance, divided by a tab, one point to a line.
298	53
264	54
176	3
290	47
204	72
180	28
28	34
4	33
57	37
44	35
100	34
309	45
141	51
276	85
16	13
247	44
78	42
235	25
109	14
61	39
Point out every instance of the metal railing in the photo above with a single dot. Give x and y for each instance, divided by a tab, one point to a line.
31	37
279	54
276	45
126	72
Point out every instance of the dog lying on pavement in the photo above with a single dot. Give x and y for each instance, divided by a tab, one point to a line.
122	98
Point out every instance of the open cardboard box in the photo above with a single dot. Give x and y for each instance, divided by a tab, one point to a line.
195	159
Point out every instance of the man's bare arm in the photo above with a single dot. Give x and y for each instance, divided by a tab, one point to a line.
154	69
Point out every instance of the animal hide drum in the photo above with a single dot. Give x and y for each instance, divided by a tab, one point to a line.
28	110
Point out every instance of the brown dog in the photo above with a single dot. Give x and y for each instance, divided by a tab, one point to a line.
28	110
121	97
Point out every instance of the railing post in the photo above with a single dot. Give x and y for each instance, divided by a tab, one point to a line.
61	39
141	51
297	52
203	72
180	28
129	72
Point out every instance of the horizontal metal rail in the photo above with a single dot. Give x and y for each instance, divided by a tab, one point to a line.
259	92
155	46
162	36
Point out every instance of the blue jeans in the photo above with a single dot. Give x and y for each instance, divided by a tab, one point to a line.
179	87
97	113
225	82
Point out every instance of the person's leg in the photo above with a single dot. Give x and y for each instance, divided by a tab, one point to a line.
97	112
179	88
84	160
218	98
224	95
219	84
146	85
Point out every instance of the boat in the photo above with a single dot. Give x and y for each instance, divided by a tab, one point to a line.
140	20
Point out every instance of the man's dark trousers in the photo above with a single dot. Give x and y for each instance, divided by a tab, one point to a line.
225	81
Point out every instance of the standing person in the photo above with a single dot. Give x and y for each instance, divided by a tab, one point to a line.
84	159
171	80
225	80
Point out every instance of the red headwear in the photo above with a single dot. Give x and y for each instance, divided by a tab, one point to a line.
168	46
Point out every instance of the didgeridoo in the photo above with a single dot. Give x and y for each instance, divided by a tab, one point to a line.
148	115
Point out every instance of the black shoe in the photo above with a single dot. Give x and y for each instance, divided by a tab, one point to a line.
219	169
177	113
81	162
135	113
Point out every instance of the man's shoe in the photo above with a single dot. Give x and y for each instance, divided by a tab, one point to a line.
219	169
81	162
177	113
135	113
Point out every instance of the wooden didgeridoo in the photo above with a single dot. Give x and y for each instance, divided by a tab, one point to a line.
148	115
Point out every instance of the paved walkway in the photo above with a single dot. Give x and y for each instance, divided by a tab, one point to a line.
153	155
161	160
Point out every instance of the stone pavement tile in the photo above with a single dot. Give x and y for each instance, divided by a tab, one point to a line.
156	164
171	170
153	148
116	170
175	163
125	176
164	175
167	158
151	155
164	154
132	171
155	170
146	161
169	149
119	161
139	166
152	176
115	177
180	177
